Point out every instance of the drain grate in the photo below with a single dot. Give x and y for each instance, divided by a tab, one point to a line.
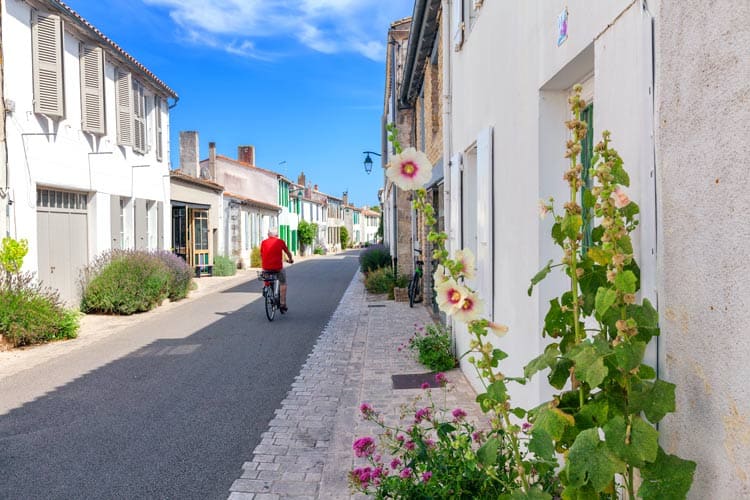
414	380
375	305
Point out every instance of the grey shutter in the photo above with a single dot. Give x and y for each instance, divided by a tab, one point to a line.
123	91
92	89
115	221
46	42
485	189
157	115
141	225
457	23
160	225
139	119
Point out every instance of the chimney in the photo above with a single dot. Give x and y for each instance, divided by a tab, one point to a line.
301	179
246	154
346	198
212	160
315	187
189	159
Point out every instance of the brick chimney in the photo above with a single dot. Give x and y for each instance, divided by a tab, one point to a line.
246	154
301	179
345	197
189	158
315	187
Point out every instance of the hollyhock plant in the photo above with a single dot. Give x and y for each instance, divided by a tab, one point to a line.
411	169
465	263
450	295
620	198
471	308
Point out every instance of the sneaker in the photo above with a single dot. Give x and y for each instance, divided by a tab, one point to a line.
283	309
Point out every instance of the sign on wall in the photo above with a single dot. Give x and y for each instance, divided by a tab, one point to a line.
562	27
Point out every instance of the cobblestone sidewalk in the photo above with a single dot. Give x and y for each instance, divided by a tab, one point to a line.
307	450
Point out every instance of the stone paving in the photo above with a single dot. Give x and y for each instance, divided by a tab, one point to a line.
307	450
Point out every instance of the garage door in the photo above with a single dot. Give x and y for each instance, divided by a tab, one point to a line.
62	236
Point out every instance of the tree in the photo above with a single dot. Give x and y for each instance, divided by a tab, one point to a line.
344	238
306	231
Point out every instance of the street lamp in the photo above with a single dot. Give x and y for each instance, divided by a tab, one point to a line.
368	160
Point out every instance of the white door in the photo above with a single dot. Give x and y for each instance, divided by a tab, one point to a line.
62	236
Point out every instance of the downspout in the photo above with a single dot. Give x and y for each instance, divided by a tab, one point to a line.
447	111
5	184
394	116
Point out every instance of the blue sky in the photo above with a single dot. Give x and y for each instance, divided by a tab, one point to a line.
301	80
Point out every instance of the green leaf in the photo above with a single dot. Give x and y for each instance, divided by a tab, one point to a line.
637	448
560	373
592	414
541	445
625	245
599	255
645	372
556	321
533	494
498	391
625	282
620	176
570	493
588	199
629	355
668	478
487	454
647	319
499	355
589	365
518	412
630	210
540	276
553	421
605	297
571	225
545	360
589	462
557	234
656	402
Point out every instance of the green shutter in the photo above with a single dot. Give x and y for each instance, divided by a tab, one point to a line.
587	151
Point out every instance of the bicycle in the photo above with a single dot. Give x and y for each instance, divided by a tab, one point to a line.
271	292
415	285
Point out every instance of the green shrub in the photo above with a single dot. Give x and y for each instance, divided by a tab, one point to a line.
374	257
126	282
433	347
255	260
344	238
383	280
319	251
224	266
180	275
31	313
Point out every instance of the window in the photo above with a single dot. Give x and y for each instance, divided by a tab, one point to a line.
124	98
157	121
139	119
92	89
47	46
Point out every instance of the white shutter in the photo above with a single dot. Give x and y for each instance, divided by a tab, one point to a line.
484	191
457	23
124	97
157	115
46	41
139	119
92	89
455	202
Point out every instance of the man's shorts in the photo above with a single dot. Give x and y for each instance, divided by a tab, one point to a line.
281	275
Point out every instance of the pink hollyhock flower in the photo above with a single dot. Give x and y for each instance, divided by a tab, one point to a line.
467	261
620	198
441	379
471	308
364	446
458	414
409	170
405	473
450	295
544	209
426	476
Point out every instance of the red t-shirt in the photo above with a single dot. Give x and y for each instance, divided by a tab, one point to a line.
271	250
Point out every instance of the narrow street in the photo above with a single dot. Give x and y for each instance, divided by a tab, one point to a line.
171	407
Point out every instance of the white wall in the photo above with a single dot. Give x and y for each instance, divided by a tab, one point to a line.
65	159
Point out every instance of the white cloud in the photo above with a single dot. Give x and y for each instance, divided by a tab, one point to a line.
327	26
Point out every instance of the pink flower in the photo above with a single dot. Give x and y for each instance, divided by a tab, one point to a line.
426	476
526	427
395	463
405	473
497	328
465	258
620	198
471	307
366	410
425	385
410	445
421	414
429	443
364	446
400	438
450	295
477	436
458	414
409	170
441	379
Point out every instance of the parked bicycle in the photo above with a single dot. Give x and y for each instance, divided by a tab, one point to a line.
271	292
415	285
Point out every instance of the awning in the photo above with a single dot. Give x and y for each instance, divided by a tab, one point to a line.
437	175
187	204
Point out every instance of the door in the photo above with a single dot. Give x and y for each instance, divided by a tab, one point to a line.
62	238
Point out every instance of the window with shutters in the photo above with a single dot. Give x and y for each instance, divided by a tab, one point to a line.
47	54
157	120
124	98
139	119
92	89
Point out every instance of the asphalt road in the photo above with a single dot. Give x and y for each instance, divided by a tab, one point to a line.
175	415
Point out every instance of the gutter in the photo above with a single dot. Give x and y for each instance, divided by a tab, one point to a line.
415	35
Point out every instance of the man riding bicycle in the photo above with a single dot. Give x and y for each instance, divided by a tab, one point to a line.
271	254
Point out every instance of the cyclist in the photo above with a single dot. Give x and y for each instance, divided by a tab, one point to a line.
271	254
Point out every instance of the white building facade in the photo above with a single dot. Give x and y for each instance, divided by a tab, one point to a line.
88	143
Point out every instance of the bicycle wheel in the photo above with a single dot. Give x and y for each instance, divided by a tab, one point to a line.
413	285
270	303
